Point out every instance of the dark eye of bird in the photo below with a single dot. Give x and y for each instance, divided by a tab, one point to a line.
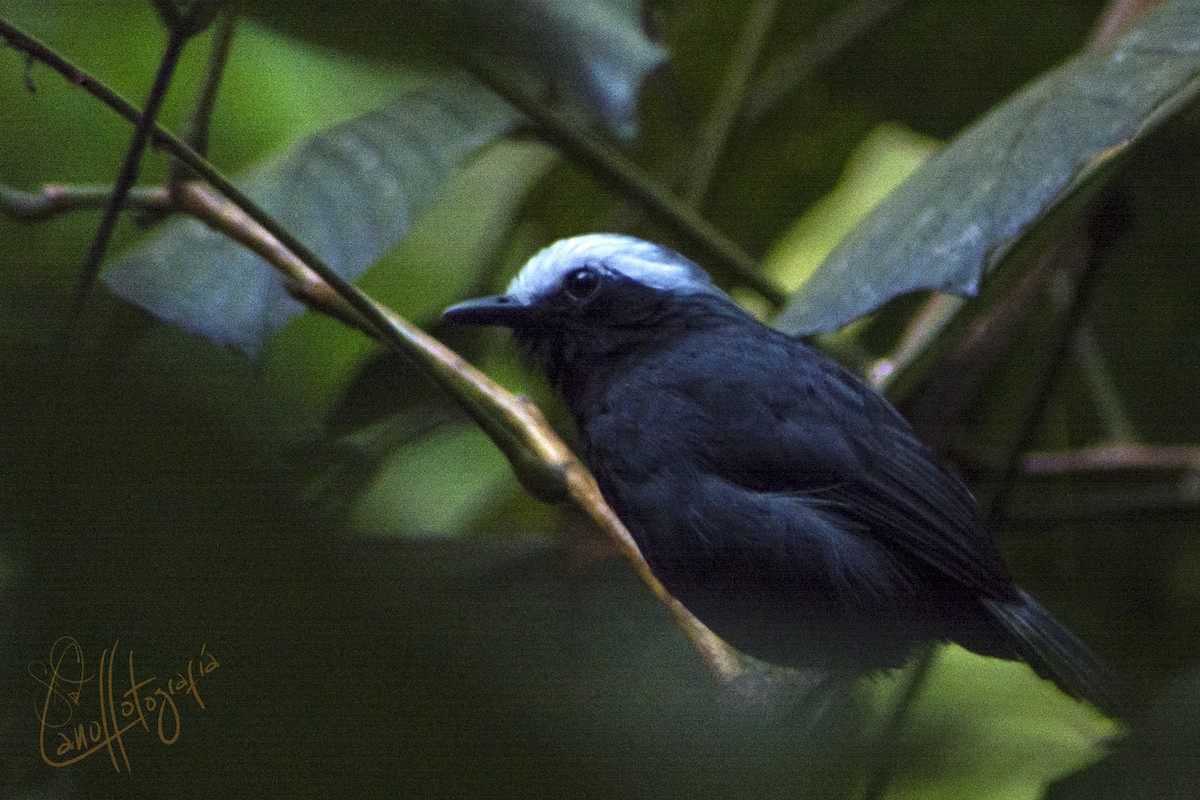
582	283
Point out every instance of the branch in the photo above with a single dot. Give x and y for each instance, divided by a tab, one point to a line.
1032	414
1114	458
195	131
55	200
613	168
543	463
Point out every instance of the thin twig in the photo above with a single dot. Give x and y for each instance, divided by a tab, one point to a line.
1113	458
196	130
1113	415
55	200
1031	419
820	47
613	168
89	273
728	105
889	736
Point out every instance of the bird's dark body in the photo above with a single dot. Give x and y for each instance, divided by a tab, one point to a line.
806	524
778	497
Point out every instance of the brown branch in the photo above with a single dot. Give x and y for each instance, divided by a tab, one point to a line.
540	459
56	199
482	397
1114	458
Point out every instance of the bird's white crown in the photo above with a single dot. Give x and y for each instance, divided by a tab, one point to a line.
645	262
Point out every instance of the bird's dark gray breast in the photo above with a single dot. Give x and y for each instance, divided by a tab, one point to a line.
736	457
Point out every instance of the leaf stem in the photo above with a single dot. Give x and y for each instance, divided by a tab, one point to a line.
614	169
820	47
728	105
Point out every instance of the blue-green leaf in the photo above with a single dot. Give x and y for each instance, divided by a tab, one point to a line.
968	207
349	193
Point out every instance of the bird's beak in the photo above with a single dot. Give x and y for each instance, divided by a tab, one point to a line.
500	309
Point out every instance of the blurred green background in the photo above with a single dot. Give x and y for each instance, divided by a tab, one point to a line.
391	614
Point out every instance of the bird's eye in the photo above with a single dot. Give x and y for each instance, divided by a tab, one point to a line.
582	283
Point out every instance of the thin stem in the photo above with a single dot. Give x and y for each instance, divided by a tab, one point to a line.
54	200
90	272
196	130
832	37
1114	458
614	169
728	105
1114	416
1117	18
1094	367
1031	419
885	769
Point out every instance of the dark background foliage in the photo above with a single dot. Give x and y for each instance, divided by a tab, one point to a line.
391	613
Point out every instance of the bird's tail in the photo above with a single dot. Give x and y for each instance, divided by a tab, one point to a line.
1057	655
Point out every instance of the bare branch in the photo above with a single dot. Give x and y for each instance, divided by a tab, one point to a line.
56	199
540	459
89	273
1114	458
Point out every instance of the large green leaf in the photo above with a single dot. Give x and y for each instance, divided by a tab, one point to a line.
350	193
589	54
962	213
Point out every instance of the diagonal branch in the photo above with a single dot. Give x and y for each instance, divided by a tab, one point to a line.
543	463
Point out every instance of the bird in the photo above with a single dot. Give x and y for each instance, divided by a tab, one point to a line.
783	501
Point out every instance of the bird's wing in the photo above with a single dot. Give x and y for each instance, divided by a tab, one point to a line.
834	438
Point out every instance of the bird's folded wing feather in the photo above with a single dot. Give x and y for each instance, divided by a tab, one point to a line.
835	439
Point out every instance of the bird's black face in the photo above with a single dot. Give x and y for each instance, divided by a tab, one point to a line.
587	300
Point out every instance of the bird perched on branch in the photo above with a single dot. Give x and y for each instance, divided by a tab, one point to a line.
783	501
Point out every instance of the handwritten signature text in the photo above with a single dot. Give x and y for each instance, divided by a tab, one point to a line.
84	713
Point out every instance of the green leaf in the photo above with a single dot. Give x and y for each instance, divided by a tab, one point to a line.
989	730
962	213
589	54
349	193
880	163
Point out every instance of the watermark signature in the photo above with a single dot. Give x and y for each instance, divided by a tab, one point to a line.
82	714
